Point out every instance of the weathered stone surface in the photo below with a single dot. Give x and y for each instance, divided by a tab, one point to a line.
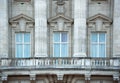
116	29
4	28
40	28
80	11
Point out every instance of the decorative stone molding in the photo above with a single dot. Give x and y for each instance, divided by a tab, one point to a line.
4	77
99	21
60	6
116	77
104	18
32	77
60	22
87	76
22	0
60	76
21	20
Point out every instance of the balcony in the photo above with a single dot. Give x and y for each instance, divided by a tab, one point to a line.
67	63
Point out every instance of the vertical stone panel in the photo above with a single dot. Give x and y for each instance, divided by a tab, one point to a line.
116	29
40	28
80	11
3	28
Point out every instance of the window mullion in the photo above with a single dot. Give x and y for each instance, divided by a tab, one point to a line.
23	45
98	46
105	45
60	44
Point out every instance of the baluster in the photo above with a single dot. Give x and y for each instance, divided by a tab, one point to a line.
93	62
71	61
105	62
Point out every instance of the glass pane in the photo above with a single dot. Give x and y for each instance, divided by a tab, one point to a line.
94	37
94	50
18	37
19	51
56	37
27	37
64	37
102	37
102	50
27	50
64	50
56	50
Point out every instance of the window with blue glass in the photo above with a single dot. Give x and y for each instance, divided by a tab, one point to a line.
22	41
98	45
60	44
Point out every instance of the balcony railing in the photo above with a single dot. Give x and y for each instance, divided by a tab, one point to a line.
59	63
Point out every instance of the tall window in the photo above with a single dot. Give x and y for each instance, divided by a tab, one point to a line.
98	45
22	41
60	44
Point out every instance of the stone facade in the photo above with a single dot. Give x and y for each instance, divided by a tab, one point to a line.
41	18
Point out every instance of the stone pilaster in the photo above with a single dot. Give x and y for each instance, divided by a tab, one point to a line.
40	28
116	29
80	10
4	28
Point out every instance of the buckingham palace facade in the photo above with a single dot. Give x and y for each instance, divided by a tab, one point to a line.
59	41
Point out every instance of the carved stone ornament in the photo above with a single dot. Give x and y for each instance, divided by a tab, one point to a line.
60	21
21	20
60	2
32	77
97	16
116	76
99	20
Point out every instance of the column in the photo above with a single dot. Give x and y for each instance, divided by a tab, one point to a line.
40	28
87	78
4	28
80	11
32	78
116	29
116	78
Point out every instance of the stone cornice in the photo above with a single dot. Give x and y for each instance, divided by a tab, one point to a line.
14	21
67	19
99	16
16	18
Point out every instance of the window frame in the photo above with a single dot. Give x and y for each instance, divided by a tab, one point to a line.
18	30
23	44
60	42
50	40
98	43
108	39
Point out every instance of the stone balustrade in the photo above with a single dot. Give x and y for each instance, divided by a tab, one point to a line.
59	63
